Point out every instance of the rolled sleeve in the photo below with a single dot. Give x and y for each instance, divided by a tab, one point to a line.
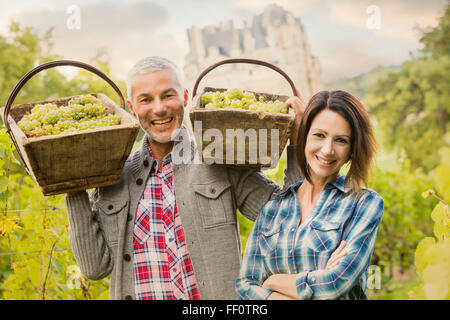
304	291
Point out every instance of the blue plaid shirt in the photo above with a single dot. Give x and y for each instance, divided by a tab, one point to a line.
277	244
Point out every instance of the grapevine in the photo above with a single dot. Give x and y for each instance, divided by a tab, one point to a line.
239	99
81	113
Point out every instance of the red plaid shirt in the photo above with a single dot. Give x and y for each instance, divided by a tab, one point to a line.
162	266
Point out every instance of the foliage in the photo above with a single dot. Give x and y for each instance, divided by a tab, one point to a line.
361	84
411	105
23	49
36	261
435	41
405	220
432	256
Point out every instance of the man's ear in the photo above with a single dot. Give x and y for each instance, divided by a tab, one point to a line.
131	107
186	97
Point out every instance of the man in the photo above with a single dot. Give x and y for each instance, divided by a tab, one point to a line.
168	230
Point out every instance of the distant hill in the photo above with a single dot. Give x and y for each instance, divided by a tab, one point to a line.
359	85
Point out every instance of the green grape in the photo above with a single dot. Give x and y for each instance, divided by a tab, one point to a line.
207	98
83	100
81	113
237	99
52	117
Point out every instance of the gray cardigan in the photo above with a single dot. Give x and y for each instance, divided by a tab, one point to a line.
101	226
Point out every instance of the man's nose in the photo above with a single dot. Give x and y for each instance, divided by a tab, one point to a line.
158	107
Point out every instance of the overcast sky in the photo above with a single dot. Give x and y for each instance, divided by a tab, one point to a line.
342	33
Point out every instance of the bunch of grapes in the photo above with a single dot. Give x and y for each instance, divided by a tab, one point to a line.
81	113
238	99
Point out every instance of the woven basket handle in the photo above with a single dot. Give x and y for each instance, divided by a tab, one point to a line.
241	60
38	69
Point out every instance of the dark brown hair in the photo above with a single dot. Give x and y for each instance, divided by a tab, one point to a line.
363	144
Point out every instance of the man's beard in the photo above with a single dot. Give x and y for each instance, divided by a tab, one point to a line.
160	139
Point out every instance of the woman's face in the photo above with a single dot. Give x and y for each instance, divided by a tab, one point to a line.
328	145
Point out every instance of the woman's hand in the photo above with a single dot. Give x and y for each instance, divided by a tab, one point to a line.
279	296
298	105
337	255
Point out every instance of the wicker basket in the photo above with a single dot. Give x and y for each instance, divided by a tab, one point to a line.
72	161
238	147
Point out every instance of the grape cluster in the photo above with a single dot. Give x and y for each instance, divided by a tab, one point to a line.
238	99
81	113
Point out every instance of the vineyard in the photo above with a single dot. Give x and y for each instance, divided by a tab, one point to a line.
410	110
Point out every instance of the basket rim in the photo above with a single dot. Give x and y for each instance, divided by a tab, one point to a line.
74	133
60	98
245	111
100	95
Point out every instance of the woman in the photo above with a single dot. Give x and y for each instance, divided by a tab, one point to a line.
289	252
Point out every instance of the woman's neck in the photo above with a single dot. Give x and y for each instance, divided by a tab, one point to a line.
310	191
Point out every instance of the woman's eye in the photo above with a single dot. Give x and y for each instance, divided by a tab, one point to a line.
341	140
319	135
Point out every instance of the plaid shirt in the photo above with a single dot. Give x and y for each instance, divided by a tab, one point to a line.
277	244
162	266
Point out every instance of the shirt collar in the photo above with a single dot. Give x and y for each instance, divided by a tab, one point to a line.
338	183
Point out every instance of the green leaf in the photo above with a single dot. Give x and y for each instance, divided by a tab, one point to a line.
420	257
436	278
441	214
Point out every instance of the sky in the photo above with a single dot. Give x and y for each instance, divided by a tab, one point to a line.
348	37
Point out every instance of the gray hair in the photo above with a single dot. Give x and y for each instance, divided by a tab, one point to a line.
150	64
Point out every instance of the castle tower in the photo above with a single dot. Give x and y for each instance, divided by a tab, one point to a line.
275	36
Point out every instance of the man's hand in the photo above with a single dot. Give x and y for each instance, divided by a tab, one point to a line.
298	105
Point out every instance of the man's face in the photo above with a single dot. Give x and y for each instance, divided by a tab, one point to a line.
158	102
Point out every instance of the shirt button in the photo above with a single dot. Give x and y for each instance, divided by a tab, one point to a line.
139	181
126	257
128	298
146	163
213	190
110	207
293	229
129	217
313	279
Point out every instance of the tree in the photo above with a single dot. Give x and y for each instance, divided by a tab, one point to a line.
411	105
36	261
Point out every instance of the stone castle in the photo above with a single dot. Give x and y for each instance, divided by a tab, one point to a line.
275	36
